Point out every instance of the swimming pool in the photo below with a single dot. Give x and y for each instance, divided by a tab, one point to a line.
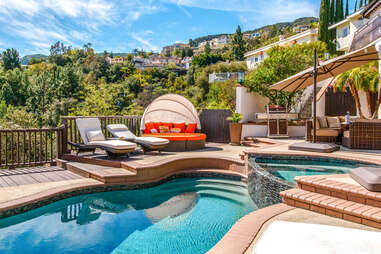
270	174
287	168
188	215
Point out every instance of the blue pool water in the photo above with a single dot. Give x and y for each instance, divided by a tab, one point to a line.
188	215
287	168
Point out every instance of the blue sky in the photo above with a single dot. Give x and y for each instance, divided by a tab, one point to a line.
31	26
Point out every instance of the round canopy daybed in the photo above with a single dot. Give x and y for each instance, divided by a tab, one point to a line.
178	114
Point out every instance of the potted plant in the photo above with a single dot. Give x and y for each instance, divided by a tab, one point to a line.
235	128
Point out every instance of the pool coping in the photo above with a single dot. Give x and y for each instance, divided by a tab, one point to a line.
241	235
351	157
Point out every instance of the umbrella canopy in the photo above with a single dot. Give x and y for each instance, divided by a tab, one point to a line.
328	69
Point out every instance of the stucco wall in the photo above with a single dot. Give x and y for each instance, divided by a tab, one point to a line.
248	103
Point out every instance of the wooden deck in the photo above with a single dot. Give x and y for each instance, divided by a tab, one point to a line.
34	175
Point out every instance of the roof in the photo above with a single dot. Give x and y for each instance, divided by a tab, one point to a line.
347	19
293	37
371	7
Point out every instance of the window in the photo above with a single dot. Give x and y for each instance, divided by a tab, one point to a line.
256	59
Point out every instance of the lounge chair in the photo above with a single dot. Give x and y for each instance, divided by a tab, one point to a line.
92	136
147	143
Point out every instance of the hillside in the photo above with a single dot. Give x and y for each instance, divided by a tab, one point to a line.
25	59
278	26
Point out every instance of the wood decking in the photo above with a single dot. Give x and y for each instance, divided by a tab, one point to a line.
34	175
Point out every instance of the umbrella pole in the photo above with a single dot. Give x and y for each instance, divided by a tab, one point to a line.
314	95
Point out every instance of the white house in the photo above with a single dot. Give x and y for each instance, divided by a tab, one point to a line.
345	30
253	58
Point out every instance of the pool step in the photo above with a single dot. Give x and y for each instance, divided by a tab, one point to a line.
339	186
338	196
335	207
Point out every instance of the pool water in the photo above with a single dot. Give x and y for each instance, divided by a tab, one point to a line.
188	215
286	168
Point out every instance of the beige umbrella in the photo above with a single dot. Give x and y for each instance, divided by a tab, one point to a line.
325	70
328	69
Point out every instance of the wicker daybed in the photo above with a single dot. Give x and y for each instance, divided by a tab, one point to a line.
173	117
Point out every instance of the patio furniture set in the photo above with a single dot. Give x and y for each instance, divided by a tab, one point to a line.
358	134
179	132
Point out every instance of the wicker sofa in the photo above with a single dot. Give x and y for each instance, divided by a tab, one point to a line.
328	129
363	134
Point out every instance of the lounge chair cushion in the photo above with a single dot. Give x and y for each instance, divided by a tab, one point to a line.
152	141
115	144
333	122
297	238
95	135
121	131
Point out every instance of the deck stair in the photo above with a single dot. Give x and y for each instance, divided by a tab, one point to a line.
337	196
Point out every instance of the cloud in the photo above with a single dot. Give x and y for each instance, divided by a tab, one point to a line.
144	40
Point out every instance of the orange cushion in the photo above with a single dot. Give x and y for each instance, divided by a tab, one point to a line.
191	128
148	127
169	125
181	126
157	125
178	136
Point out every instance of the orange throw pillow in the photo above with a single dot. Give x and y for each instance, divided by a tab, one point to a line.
191	128
164	129
157	125
148	127
181	126
169	125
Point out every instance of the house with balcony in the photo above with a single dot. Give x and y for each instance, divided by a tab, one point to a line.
346	29
255	57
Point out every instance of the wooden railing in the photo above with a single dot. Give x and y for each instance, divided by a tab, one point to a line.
71	133
29	147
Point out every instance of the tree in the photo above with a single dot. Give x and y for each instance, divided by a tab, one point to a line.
189	52
281	63
11	59
339	15
238	45
324	21
365	78
190	43
207	49
346	8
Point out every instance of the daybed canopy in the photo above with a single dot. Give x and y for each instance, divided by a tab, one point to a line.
171	108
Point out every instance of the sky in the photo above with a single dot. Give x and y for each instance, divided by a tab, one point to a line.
31	26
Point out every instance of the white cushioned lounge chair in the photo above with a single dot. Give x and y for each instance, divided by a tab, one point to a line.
92	136
147	143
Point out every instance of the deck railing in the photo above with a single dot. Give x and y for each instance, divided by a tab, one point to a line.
71	133
29	147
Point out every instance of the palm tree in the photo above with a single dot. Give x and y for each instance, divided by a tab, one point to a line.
365	78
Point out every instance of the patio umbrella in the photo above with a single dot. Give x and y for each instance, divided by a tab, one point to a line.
325	70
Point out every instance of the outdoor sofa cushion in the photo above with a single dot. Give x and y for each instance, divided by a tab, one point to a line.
322	121
181	126
327	132
175	130
333	122
178	136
